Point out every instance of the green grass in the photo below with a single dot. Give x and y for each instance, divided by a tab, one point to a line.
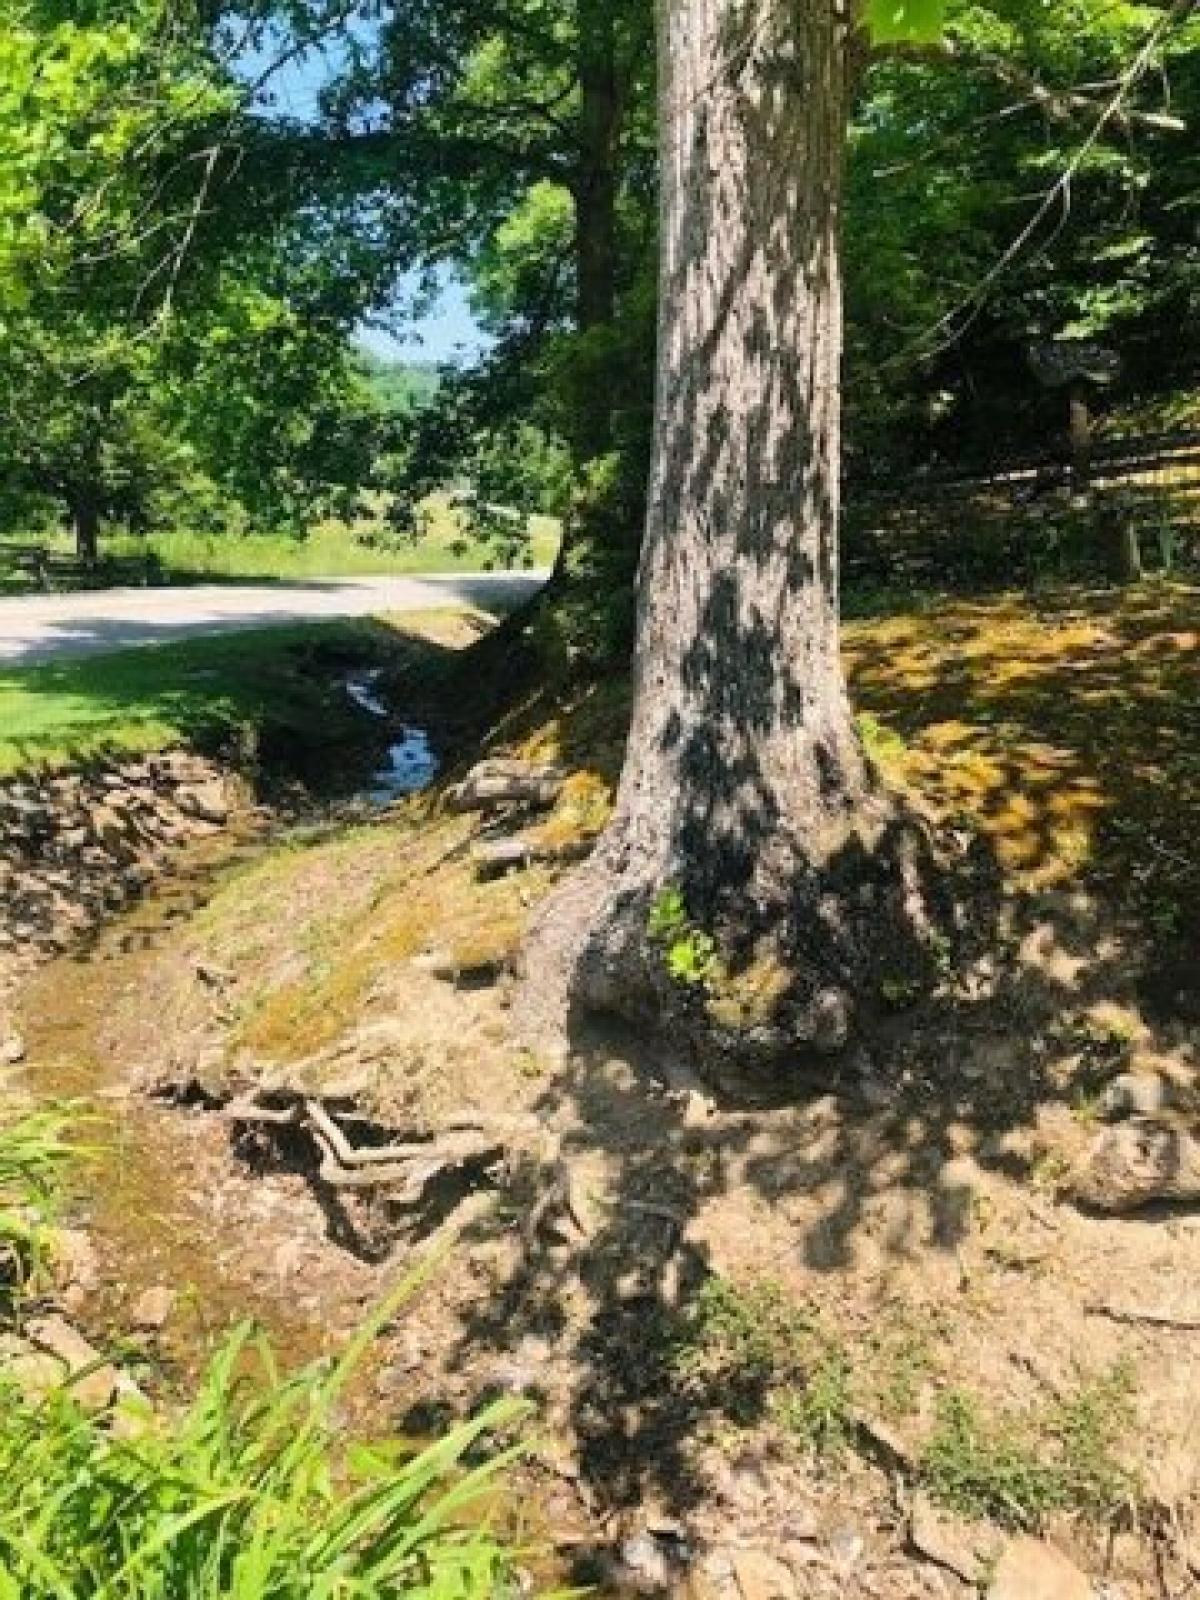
330	550
246	1496
33	1153
1017	1467
251	1491
755	1354
199	690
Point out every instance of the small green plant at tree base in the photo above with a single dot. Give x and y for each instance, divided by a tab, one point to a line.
882	744
690	953
668	915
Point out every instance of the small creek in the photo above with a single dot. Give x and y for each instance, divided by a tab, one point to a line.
411	764
146	1188
165	1204
155	1191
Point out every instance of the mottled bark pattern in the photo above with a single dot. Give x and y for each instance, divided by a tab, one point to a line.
741	751
744	786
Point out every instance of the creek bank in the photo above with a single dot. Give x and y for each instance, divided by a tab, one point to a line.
76	846
373	964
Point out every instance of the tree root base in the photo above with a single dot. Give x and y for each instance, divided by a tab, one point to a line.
776	993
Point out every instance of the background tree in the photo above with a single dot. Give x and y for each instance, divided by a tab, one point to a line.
1009	186
166	328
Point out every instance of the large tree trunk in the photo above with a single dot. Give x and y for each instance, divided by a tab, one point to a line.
744	788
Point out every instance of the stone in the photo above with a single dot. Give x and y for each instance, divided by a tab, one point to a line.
32	1372
207	801
762	1576
1031	1569
1136	1094
76	1265
846	1546
110	827
12	1049
646	1560
152	1310
94	1382
966	1548
1136	1164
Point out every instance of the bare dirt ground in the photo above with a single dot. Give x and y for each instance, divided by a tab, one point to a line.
848	1347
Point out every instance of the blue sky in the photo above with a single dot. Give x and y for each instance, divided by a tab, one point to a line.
448	329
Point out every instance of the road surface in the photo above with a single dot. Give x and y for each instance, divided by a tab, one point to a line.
46	627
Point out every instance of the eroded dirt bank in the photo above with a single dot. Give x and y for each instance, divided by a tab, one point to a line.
77	846
933	1333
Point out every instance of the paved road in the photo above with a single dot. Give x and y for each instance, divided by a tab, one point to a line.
45	627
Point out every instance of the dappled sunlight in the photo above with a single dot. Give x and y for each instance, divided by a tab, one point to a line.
1045	720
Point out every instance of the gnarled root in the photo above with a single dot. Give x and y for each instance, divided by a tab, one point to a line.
405	1169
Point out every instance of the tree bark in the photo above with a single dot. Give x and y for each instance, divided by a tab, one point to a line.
85	521
744	787
596	194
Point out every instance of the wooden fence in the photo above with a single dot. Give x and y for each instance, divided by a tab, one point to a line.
1033	517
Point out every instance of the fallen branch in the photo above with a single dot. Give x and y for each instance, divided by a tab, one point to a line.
522	850
493	784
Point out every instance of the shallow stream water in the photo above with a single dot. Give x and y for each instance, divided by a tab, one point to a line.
410	763
144	1186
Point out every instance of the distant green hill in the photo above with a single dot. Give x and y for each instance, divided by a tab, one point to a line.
400	385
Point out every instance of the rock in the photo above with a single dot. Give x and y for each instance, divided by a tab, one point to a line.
495	784
966	1548
94	1382
1031	1569
846	1546
762	1576
830	1020
111	828
1137	1163
76	1265
1137	1094
206	801
32	1372
152	1310
646	1561
12	1049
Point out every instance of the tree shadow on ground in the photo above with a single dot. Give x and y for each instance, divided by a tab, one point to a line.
953	1105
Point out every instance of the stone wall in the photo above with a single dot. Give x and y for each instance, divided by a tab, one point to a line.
76	846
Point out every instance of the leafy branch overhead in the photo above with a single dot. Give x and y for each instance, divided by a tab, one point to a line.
906	21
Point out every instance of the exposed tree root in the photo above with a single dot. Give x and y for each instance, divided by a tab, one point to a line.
405	1168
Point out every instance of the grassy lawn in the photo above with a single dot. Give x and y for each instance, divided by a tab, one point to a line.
134	701
329	551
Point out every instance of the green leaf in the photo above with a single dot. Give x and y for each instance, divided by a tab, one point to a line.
906	21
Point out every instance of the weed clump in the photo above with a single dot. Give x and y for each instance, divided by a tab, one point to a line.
33	1153
766	1357
1019	1467
756	1354
245	1497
